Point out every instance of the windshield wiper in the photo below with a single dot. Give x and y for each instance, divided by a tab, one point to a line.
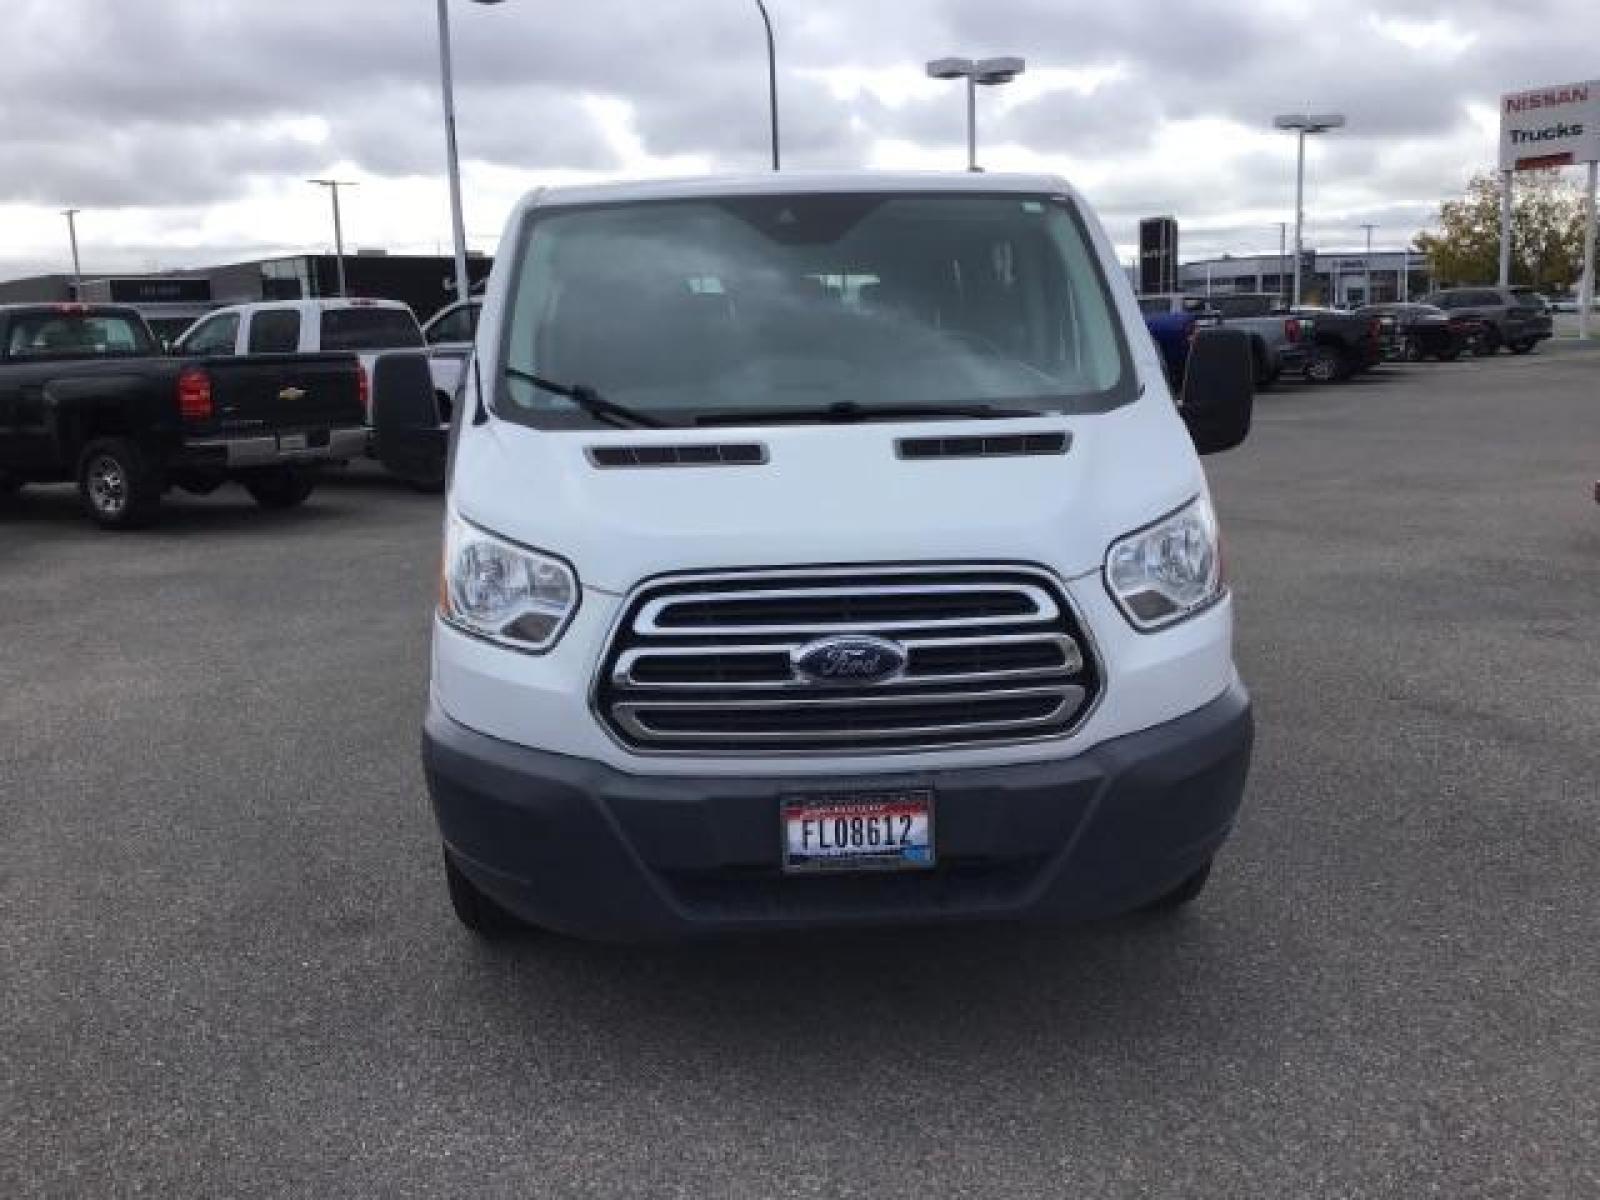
846	411
591	401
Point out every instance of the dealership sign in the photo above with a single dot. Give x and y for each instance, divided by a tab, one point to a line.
1550	126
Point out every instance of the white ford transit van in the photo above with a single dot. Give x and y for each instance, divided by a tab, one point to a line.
829	549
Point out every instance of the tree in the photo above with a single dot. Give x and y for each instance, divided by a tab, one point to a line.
1546	232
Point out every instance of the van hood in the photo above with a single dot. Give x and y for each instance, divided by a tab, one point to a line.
826	494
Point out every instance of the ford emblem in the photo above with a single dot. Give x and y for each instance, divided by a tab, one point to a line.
853	659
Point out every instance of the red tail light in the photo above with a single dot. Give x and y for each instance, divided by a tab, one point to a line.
1291	329
364	389
194	395
1375	328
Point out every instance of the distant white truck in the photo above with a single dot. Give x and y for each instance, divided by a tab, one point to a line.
364	327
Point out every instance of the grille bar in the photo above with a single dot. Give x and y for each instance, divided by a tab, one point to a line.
852	718
706	664
772	661
926	607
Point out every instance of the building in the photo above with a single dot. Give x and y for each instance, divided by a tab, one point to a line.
1335	278
171	300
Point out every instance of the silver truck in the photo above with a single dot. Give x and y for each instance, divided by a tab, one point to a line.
1279	340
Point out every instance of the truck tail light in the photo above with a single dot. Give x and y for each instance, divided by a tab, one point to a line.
194	395
1291	330
1375	328
364	389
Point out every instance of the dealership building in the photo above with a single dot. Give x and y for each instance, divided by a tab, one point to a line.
171	300
1333	278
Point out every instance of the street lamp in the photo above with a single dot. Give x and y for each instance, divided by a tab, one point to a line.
453	162
1303	124
1366	282
333	186
772	81
71	214
989	72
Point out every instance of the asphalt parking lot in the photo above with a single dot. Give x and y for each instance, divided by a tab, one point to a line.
227	966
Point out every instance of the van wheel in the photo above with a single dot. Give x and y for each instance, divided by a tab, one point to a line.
475	910
1184	894
1326	365
281	488
118	485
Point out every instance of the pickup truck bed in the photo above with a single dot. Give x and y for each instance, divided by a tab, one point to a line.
84	397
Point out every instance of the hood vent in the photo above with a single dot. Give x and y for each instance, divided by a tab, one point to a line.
1002	446
736	454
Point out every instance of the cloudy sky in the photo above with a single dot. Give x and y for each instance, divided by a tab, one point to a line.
184	129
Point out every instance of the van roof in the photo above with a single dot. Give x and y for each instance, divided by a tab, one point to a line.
795	182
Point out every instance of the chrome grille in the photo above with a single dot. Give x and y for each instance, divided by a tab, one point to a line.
705	664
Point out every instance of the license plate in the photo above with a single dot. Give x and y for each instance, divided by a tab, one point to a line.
858	831
291	441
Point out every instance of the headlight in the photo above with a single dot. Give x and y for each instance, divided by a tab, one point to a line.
506	593
1167	571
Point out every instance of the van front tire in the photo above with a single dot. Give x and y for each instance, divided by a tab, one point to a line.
1185	894
476	911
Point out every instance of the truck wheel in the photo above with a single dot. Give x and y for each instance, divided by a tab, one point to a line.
118	485
475	910
282	488
1185	893
1326	365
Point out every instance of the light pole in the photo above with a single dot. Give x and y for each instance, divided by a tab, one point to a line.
1366	280
1283	236
772	81
1303	124
71	214
453	161
990	72
333	186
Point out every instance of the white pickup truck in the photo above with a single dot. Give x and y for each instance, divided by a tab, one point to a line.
364	327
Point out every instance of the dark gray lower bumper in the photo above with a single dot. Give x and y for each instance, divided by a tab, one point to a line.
577	846
273	450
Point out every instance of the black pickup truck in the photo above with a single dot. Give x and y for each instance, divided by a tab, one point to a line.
1342	343
87	396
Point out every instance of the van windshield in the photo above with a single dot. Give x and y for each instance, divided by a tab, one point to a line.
684	309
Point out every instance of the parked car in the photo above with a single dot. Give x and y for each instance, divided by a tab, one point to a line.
1342	343
450	334
363	327
86	395
1516	317
1279	342
1413	332
454	325
767	603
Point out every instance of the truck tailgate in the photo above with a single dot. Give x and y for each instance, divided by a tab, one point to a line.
271	393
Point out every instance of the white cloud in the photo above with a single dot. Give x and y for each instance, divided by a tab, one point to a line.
185	129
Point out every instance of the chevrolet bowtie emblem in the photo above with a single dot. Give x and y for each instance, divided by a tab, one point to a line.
291	394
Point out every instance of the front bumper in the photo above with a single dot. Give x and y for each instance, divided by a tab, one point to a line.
581	847
275	450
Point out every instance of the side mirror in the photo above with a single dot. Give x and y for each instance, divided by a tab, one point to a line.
409	435
1218	389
